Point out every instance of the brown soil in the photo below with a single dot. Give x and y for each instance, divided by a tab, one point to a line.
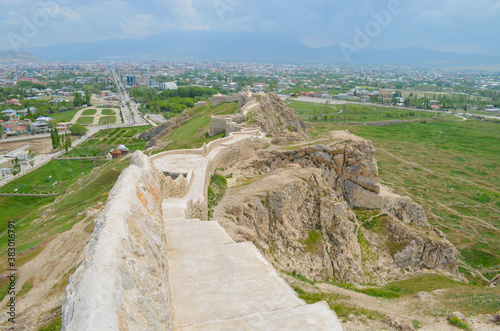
49	271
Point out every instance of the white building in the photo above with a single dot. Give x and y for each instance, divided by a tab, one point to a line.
168	86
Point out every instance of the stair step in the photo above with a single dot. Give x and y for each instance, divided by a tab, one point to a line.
315	317
223	282
193	234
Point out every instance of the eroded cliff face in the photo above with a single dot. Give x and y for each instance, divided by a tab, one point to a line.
321	211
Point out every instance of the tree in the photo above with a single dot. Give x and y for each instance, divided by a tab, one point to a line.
31	158
53	138
78	130
87	98
16	167
67	142
77	100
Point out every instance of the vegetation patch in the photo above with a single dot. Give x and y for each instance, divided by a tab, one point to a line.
54	325
89	112
339	306
27	286
458	323
107	120
108	111
216	191
54	177
313	241
85	120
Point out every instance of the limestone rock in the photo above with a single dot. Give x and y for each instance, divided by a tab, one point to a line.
407	210
495	282
496	318
279	120
398	323
456	314
308	194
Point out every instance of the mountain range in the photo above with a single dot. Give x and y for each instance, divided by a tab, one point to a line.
224	46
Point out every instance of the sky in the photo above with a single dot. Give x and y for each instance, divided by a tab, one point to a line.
462	26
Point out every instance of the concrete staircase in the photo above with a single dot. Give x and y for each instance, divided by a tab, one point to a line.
217	284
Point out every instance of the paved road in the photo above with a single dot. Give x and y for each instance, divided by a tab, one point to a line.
129	107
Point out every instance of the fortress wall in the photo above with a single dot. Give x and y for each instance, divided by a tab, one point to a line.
222	158
182	151
220	98
218	125
121	281
232	127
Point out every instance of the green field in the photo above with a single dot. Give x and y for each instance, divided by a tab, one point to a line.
345	113
106	140
108	111
89	112
452	169
85	120
65	116
54	177
107	120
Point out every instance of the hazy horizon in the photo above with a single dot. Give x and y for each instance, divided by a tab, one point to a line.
452	26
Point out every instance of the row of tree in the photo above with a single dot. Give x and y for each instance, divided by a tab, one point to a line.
60	141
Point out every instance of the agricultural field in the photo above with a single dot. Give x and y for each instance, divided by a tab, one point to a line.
346	113
451	168
106	140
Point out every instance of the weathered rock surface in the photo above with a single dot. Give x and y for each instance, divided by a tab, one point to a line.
303	216
398	323
277	119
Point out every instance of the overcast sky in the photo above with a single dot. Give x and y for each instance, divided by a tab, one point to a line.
464	26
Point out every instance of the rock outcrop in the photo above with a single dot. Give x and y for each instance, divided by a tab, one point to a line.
277	119
321	211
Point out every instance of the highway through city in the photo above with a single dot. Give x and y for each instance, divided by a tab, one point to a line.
130	111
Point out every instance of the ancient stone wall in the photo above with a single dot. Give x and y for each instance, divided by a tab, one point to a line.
121	280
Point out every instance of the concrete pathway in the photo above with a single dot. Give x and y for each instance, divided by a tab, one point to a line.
218	284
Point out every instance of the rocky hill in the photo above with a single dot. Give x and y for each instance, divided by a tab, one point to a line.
321	211
278	120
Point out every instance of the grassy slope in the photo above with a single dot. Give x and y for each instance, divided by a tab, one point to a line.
61	215
105	140
192	133
64	172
